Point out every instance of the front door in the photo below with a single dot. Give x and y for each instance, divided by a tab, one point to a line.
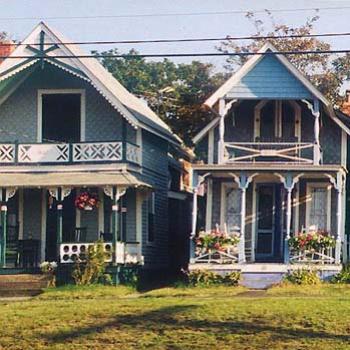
269	223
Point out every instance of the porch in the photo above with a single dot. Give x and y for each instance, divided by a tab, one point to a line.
266	208
41	218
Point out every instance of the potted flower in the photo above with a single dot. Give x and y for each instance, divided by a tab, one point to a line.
315	240
49	270
215	241
86	201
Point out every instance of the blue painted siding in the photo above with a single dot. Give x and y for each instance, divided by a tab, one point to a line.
269	79
155	172
18	114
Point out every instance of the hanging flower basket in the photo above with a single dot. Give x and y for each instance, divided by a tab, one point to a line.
87	201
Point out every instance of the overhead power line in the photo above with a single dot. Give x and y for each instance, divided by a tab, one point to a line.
206	54
155	41
203	13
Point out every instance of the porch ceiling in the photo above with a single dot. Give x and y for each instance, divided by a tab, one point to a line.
53	179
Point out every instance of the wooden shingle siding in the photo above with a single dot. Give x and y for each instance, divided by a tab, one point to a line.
18	113
269	79
155	172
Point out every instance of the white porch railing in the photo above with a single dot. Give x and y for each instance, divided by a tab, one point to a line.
126	253
63	153
97	151
228	256
257	151
322	256
43	153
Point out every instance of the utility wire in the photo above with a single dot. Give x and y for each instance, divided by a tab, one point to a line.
226	38
208	13
208	54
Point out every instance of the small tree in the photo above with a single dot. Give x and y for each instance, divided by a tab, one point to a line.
92	268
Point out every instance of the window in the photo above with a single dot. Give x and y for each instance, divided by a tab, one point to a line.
150	217
277	121
318	206
61	115
231	213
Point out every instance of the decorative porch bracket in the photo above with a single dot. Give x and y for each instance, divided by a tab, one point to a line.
197	182
243	181
115	193
59	193
315	110
5	195
338	183
288	182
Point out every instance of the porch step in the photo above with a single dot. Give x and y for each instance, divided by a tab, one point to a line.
21	285
260	280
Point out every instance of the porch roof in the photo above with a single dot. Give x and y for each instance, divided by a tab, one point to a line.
53	179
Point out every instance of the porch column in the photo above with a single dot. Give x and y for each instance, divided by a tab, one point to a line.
115	193
5	195
338	184
221	145
289	182
59	193
317	149
197	183
3	233
243	182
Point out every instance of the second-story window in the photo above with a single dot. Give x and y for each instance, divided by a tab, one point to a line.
61	117
277	121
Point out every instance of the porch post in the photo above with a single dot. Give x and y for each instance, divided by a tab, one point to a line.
221	145
5	195
316	114
197	182
288	182
243	182
115	222
3	232
338	183
194	223
59	221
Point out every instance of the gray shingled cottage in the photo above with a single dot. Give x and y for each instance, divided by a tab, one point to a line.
81	159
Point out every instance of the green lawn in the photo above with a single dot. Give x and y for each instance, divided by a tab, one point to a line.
179	318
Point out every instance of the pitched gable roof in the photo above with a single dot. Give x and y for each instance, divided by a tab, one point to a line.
236	79
135	111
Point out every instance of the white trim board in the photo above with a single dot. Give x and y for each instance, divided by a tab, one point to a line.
80	92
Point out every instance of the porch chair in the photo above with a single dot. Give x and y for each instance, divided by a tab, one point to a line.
80	234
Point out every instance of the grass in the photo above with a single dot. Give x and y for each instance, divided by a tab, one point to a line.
288	317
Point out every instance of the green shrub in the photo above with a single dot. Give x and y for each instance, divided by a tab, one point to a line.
302	277
343	276
207	278
92	269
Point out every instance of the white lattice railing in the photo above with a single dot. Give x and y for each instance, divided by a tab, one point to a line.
322	256
255	151
97	151
126	253
31	153
43	153
213	256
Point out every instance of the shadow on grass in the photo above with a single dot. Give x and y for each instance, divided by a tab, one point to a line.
165	319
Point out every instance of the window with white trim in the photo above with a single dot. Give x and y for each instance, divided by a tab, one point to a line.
318	206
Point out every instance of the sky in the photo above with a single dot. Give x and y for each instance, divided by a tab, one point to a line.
18	17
